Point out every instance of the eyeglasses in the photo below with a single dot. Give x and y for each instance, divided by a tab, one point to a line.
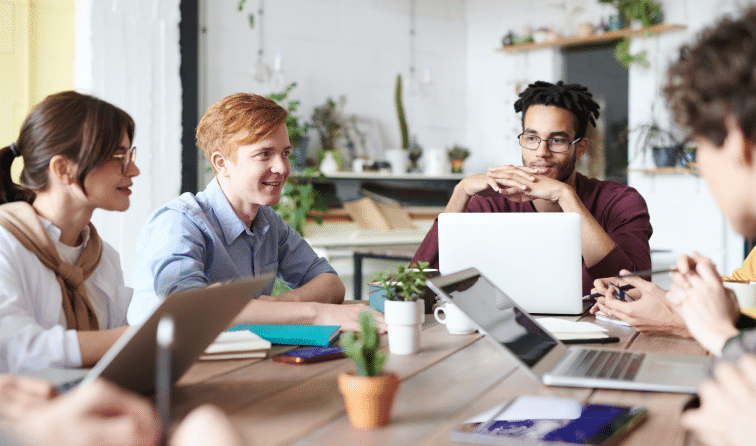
127	158
556	145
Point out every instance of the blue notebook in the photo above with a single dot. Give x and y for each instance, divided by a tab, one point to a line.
319	335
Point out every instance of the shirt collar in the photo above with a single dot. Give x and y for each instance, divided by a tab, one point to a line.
54	232
230	223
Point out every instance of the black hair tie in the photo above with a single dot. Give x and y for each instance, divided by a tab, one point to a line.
14	150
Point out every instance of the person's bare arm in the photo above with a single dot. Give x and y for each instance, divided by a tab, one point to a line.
595	242
325	288
94	344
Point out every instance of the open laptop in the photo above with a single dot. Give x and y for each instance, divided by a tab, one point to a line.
536	257
199	316
520	336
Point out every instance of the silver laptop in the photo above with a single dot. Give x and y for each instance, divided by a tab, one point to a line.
199	316
536	257
520	336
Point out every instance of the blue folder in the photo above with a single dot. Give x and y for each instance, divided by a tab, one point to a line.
319	335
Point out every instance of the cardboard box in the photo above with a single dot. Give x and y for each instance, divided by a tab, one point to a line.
370	214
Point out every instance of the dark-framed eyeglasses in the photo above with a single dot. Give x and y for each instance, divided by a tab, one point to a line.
556	145
126	158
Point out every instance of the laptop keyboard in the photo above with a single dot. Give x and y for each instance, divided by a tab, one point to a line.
622	365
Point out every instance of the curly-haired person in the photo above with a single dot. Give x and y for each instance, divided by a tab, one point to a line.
614	217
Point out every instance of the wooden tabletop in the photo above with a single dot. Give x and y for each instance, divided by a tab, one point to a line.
451	379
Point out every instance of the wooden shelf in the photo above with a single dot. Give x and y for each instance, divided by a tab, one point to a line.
667	170
593	39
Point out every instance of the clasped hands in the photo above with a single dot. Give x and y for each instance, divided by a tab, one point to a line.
514	182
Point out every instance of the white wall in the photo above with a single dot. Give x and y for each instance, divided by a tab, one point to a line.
683	213
353	48
127	53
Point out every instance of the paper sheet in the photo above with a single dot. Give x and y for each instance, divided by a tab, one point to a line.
531	407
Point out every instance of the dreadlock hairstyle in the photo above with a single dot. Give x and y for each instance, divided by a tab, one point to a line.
573	97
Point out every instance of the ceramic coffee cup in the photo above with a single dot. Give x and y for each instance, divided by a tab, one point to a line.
455	320
745	292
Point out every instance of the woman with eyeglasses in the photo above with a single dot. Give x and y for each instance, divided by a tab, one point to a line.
63	301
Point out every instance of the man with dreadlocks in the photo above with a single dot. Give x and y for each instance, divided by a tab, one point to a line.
615	221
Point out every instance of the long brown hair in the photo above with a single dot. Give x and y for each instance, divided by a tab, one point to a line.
77	126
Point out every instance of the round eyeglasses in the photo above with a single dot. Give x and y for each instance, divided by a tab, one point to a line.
556	145
126	158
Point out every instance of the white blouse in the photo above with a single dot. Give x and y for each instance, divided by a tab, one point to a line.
33	332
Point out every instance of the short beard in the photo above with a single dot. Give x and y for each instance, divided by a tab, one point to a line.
565	170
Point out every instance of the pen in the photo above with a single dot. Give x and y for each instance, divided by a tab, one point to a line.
163	374
648	272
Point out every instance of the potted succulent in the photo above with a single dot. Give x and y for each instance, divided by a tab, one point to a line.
404	308
368	394
457	157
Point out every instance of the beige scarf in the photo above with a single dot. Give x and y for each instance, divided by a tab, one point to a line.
22	221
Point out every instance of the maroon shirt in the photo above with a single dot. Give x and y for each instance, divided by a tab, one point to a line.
619	209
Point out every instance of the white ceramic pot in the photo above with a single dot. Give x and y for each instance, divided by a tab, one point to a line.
398	160
405	321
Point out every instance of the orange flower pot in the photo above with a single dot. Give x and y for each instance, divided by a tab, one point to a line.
368	399
457	166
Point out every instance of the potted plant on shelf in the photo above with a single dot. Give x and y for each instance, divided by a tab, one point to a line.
397	157
404	308
296	126
368	394
635	13
666	150
457	157
329	123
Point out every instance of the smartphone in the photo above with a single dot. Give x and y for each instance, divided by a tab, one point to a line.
310	355
593	425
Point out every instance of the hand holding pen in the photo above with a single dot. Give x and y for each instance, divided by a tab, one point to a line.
620	292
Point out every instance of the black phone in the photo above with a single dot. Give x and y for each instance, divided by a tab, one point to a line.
309	355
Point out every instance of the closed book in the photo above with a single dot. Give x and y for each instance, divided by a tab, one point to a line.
236	345
318	335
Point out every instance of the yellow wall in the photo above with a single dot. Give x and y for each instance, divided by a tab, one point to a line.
36	57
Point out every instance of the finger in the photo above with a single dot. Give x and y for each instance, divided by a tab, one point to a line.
685	264
600	285
731	384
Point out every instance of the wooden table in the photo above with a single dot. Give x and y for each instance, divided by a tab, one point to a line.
451	379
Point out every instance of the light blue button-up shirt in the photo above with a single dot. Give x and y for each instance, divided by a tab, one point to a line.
194	241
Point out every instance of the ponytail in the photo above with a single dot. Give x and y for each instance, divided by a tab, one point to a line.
10	191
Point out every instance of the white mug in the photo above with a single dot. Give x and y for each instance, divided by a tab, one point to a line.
745	292
455	320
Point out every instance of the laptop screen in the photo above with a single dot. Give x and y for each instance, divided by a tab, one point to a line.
499	317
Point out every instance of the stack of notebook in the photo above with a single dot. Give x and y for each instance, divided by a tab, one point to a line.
237	345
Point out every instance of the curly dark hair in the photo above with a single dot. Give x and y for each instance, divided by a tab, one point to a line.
715	78
573	97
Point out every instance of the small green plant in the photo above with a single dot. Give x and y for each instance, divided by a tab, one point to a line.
329	122
458	153
299	197
296	127
400	113
623	56
407	284
648	12
364	347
